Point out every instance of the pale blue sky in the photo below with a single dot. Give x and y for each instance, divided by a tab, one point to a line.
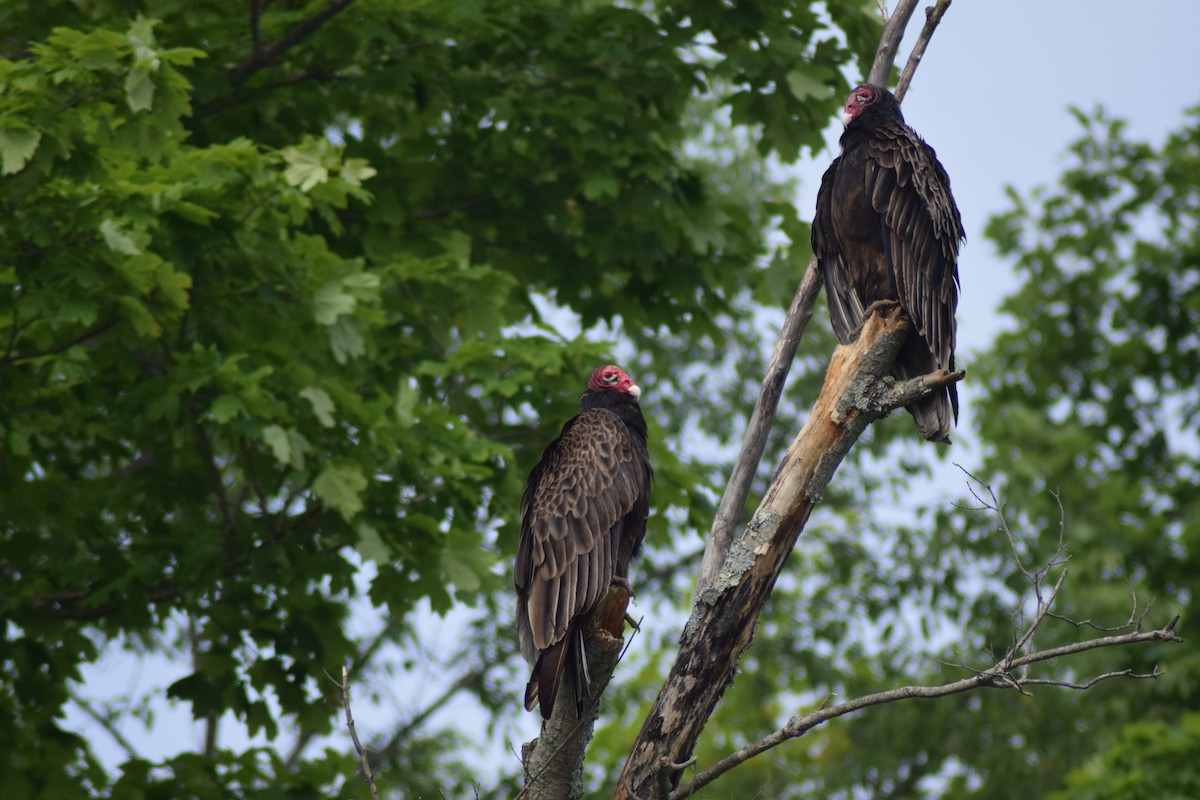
991	97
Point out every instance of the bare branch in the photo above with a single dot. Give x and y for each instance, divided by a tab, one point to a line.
730	598
1124	673
999	676
389	750
361	660
933	16
368	775
889	42
729	512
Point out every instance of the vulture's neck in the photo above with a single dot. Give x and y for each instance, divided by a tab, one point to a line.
621	404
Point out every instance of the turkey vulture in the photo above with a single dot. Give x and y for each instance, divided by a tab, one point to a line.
887	228
583	517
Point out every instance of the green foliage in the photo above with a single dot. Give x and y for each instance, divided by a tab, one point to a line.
272	309
1150	760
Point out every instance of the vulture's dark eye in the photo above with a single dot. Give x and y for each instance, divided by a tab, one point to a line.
610	377
864	98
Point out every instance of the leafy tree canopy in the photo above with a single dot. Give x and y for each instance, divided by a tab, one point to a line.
276	279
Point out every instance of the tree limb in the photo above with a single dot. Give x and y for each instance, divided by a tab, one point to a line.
263	57
91	333
73	604
889	42
998	676
391	748
858	390
729	512
933	16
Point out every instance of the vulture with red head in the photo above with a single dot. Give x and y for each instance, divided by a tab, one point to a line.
583	518
887	229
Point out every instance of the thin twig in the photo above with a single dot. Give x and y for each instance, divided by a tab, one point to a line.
1124	673
933	16
106	722
362	753
361	660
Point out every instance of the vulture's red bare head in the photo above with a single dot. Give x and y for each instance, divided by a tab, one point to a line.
611	378
861	98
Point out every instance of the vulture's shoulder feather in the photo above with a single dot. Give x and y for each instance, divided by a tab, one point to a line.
909	189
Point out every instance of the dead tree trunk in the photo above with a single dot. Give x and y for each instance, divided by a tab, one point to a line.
858	389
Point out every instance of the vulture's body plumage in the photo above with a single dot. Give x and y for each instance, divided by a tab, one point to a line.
583	518
887	228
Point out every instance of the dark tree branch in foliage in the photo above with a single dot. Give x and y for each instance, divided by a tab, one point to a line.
255	27
74	604
368	775
217	106
729	512
858	390
91	333
266	56
211	720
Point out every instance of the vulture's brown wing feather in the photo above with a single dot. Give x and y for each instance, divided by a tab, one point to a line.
845	307
910	190
572	511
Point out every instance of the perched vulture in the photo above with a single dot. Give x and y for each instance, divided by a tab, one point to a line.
583	517
887	228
